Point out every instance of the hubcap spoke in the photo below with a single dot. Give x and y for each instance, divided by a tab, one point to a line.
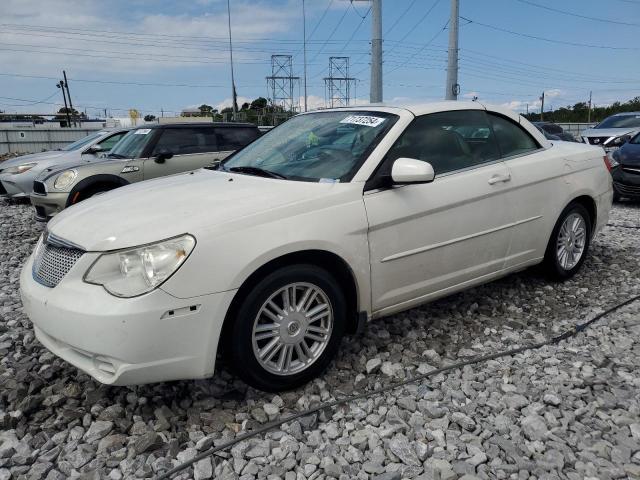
292	328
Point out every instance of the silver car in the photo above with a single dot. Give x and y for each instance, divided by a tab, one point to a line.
613	131
17	175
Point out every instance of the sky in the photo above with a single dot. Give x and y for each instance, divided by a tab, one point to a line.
161	56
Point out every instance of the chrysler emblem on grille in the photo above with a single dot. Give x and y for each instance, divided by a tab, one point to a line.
596	140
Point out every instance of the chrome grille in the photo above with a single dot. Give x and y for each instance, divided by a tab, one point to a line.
39	188
53	262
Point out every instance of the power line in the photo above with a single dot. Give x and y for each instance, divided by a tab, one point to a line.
356	29
331	35
31	102
417	24
399	18
320	20
544	39
543	67
142	84
444	27
586	17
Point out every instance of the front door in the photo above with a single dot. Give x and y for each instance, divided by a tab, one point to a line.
428	239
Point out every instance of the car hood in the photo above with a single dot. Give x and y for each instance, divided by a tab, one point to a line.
608	132
203	202
34	157
628	154
79	162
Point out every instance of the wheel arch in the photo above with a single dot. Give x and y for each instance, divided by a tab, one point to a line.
324	259
101	179
589	203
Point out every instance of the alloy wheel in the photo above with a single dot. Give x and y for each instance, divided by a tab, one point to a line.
292	328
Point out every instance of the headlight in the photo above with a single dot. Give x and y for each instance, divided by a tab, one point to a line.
612	161
619	140
132	272
65	179
20	168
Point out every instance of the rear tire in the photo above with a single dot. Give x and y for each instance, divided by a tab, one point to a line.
288	328
569	242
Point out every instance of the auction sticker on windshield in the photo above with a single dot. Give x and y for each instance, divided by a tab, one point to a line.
142	131
367	120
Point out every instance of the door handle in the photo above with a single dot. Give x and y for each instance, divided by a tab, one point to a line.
499	178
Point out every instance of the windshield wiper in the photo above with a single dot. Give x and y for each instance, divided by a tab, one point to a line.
260	172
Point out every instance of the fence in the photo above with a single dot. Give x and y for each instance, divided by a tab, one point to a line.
33	140
576	129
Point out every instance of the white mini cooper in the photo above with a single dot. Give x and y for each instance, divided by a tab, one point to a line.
334	218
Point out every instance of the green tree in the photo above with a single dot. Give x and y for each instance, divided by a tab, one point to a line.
205	110
259	103
149	118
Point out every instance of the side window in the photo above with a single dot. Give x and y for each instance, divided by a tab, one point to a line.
110	142
183	141
448	140
231	138
511	137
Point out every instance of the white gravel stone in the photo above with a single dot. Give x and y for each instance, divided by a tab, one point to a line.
568	410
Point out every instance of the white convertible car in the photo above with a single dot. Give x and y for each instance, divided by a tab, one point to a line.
334	218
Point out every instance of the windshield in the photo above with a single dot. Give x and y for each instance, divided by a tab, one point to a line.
622	121
82	142
322	146
132	144
635	140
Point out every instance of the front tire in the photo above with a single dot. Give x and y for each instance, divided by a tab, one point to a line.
569	242
288	328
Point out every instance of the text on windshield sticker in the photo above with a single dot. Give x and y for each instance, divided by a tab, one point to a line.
366	120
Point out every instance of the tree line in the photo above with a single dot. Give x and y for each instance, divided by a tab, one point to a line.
579	112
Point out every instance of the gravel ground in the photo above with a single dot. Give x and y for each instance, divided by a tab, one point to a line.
570	410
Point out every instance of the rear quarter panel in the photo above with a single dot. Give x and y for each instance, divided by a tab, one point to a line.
545	183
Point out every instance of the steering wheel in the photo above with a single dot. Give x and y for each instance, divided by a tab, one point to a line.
334	152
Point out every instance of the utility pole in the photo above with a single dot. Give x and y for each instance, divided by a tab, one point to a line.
60	85
542	107
589	114
527	108
453	88
66	84
304	48
376	52
162	112
233	83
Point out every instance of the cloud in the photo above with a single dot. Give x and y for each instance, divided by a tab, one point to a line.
99	37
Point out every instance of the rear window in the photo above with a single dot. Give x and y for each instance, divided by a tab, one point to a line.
235	138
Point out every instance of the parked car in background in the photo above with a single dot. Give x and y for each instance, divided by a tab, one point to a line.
625	169
17	175
555	130
547	135
333	218
613	131
144	153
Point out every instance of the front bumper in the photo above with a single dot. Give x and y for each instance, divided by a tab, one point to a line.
46	206
11	187
151	338
626	181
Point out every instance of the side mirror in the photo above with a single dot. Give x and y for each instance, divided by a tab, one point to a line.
163	155
93	149
409	170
